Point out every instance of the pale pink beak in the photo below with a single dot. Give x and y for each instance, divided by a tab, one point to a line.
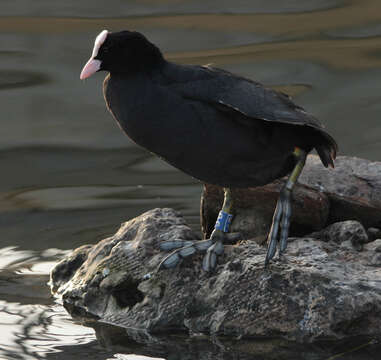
91	67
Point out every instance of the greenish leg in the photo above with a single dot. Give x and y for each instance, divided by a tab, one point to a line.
219	233
282	214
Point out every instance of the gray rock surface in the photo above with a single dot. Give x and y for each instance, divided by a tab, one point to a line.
319	290
353	188
348	232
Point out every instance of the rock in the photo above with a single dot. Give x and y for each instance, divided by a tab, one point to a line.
374	246
376	259
350	231
254	208
318	290
353	188
64	270
373	233
352	191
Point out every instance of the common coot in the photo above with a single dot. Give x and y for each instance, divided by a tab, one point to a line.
218	127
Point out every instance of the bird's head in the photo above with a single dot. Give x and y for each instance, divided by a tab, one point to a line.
121	52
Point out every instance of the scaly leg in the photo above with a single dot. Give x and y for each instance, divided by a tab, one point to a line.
213	246
282	214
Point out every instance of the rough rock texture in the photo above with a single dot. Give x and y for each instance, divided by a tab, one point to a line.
319	290
350	233
352	191
353	187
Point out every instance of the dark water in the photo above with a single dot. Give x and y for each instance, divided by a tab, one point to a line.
69	177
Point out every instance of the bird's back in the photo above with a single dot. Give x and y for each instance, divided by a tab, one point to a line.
250	98
219	128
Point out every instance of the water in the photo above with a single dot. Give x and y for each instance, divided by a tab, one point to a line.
69	176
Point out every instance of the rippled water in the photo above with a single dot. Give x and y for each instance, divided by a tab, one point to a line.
69	176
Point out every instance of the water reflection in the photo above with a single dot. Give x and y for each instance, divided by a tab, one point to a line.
36	331
73	196
136	7
24	275
10	79
31	324
127	344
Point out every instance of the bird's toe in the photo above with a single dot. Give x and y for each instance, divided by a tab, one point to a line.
210	259
183	248
280	225
174	244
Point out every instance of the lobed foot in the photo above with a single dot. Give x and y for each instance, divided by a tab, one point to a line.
282	214
281	219
183	248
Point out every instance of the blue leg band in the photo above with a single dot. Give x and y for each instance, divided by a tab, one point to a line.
223	221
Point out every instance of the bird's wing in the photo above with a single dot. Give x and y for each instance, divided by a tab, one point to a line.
221	88
248	97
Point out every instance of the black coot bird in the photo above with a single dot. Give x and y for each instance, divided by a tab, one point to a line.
218	127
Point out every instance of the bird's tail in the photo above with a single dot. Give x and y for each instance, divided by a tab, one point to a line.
327	150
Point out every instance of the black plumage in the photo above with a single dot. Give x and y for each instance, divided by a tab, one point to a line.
218	127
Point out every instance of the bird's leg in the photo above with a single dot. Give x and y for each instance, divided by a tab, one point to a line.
213	246
282	214
221	227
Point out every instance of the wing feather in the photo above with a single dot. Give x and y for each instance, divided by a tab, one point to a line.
250	98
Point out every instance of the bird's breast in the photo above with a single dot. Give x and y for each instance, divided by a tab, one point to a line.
150	116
